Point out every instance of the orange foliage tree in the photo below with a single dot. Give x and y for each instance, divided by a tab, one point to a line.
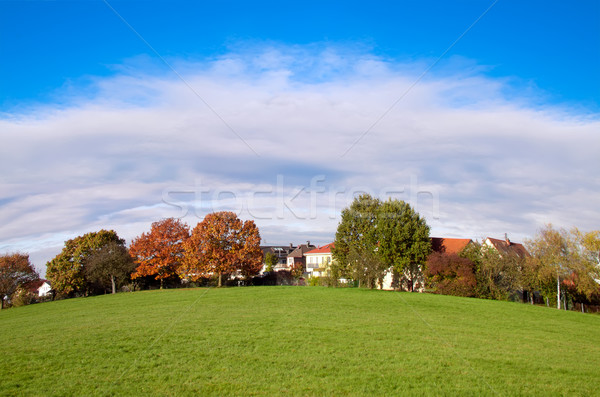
222	244
15	271
450	274
159	253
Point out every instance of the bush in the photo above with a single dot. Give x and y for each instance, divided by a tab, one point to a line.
22	298
449	274
282	277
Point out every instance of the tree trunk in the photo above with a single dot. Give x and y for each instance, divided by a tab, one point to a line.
558	292
112	281
161	283
219	280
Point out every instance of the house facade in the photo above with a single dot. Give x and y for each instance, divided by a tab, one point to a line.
318	260
296	257
281	252
41	288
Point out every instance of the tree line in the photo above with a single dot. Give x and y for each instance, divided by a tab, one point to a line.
376	237
220	245
373	238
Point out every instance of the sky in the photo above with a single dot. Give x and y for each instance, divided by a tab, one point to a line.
483	115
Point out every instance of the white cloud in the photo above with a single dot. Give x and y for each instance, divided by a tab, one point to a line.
496	165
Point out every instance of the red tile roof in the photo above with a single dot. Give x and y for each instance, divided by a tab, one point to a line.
34	286
449	245
326	249
508	247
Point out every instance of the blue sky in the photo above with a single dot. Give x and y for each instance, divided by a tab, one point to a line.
552	45
270	108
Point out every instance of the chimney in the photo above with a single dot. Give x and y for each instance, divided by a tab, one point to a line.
506	238
291	246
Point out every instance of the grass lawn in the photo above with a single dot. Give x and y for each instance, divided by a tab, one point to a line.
295	341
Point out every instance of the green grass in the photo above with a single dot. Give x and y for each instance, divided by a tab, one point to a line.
295	341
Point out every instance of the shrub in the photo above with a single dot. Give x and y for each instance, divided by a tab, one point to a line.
449	274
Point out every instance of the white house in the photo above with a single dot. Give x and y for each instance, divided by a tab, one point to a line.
44	289
39	287
318	260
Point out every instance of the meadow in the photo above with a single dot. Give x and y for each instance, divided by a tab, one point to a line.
295	341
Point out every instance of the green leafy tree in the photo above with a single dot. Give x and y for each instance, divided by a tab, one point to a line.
403	240
356	231
390	230
367	267
66	272
15	271
109	266
498	276
270	261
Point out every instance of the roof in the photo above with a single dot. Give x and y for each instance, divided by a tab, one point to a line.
34	286
279	250
449	245
507	247
326	249
300	250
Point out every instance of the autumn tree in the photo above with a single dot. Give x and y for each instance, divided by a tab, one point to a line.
583	282
109	266
220	245
297	270
554	253
403	240
15	271
450	274
65	271
536	276
160	252
250	255
498	276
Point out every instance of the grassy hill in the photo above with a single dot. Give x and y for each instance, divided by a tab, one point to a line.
295	340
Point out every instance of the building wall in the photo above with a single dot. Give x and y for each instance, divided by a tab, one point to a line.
44	289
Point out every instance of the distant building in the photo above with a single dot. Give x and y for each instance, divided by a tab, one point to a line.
40	287
444	245
507	247
297	255
318	260
281	252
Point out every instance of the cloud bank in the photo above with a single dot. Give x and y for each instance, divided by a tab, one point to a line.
287	136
